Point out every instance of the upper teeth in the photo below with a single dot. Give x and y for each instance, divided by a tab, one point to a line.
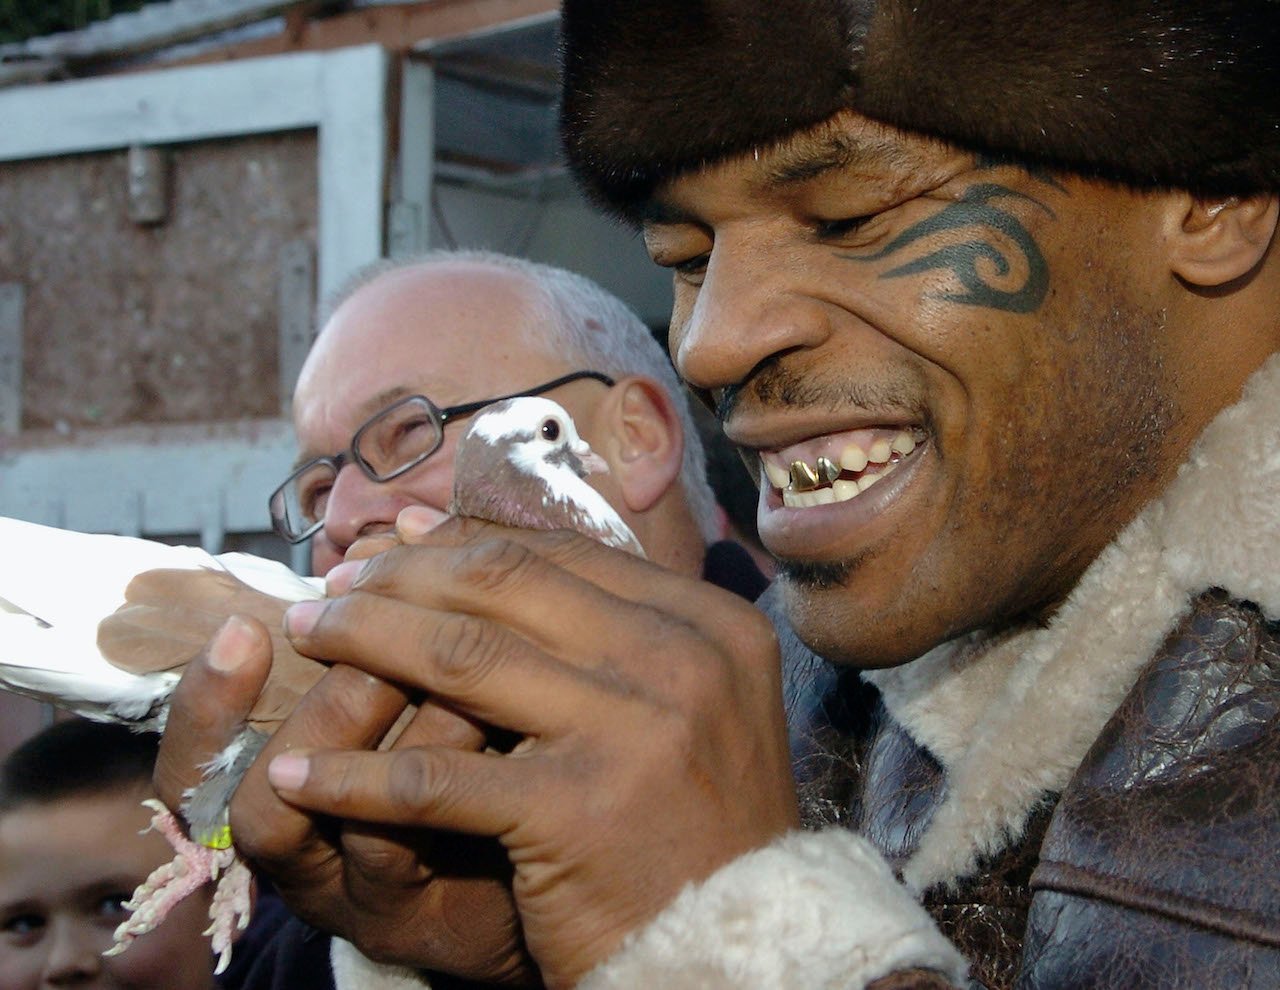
804	478
803	484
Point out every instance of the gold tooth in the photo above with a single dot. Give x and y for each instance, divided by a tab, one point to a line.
803	477
828	470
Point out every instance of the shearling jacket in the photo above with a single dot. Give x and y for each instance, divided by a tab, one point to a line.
1092	803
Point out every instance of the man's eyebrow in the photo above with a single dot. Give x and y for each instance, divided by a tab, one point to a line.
369	407
657	211
801	161
807	160
386	397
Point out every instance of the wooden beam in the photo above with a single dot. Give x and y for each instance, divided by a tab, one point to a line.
395	27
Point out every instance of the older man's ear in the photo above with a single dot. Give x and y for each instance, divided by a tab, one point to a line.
1217	240
646	443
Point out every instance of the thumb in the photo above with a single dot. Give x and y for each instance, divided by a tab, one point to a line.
210	704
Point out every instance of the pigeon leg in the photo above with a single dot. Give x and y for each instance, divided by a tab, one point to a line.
189	870
230	908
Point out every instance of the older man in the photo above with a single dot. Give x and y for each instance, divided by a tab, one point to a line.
460	328
992	296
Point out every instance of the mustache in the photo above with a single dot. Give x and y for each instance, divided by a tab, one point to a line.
772	385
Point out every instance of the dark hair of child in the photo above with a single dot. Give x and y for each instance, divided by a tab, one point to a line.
73	758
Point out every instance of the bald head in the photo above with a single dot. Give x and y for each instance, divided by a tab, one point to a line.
461	328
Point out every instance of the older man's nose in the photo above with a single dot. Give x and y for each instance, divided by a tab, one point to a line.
359	506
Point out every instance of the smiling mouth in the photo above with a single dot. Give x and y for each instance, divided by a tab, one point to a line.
837	468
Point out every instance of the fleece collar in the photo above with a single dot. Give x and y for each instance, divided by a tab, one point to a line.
1011	717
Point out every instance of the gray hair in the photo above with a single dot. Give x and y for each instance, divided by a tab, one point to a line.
581	321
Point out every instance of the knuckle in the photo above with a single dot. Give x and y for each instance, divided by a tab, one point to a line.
412	779
702	674
494	566
466	649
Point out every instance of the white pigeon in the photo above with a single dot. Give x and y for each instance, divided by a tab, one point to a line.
521	464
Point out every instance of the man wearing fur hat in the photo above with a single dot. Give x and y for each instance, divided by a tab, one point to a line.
991	298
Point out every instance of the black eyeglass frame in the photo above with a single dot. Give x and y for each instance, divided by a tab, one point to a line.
443	416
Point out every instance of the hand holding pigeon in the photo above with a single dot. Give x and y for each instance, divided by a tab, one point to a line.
521	464
50	650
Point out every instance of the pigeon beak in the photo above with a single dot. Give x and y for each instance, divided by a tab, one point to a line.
592	463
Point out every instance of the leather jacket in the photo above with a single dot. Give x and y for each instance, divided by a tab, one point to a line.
1159	862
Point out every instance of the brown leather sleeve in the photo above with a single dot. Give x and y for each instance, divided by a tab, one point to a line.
1162	864
1078	943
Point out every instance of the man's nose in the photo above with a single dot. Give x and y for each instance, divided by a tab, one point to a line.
747	309
75	951
358	506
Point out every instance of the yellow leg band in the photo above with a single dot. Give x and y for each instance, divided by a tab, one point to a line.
218	837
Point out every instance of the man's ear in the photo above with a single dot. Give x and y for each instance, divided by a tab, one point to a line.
1215	241
646	441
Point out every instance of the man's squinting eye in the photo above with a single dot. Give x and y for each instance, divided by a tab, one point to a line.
315	499
692	266
834	229
679	248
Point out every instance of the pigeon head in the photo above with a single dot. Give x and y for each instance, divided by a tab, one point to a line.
537	434
523	464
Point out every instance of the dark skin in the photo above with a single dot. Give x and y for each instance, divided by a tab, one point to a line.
575	811
1034	332
820	291
450	892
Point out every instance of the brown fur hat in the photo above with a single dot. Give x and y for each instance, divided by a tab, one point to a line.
1151	93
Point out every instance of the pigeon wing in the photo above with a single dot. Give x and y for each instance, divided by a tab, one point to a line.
57	585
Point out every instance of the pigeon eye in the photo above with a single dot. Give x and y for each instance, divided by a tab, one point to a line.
550	430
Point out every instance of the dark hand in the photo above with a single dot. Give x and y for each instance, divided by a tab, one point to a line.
653	747
403	896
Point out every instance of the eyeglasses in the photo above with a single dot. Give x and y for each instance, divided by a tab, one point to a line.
391	442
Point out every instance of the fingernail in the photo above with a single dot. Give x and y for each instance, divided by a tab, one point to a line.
417	520
302	617
340	580
288	772
229	648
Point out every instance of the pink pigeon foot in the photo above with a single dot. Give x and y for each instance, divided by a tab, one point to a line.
189	870
230	909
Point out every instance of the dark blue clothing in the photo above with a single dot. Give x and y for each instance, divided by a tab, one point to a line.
278	951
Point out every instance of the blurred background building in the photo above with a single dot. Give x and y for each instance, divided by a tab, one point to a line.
181	185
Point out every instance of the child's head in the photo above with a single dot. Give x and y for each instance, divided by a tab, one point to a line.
71	854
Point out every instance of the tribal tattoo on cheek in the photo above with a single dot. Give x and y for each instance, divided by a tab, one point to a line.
976	208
